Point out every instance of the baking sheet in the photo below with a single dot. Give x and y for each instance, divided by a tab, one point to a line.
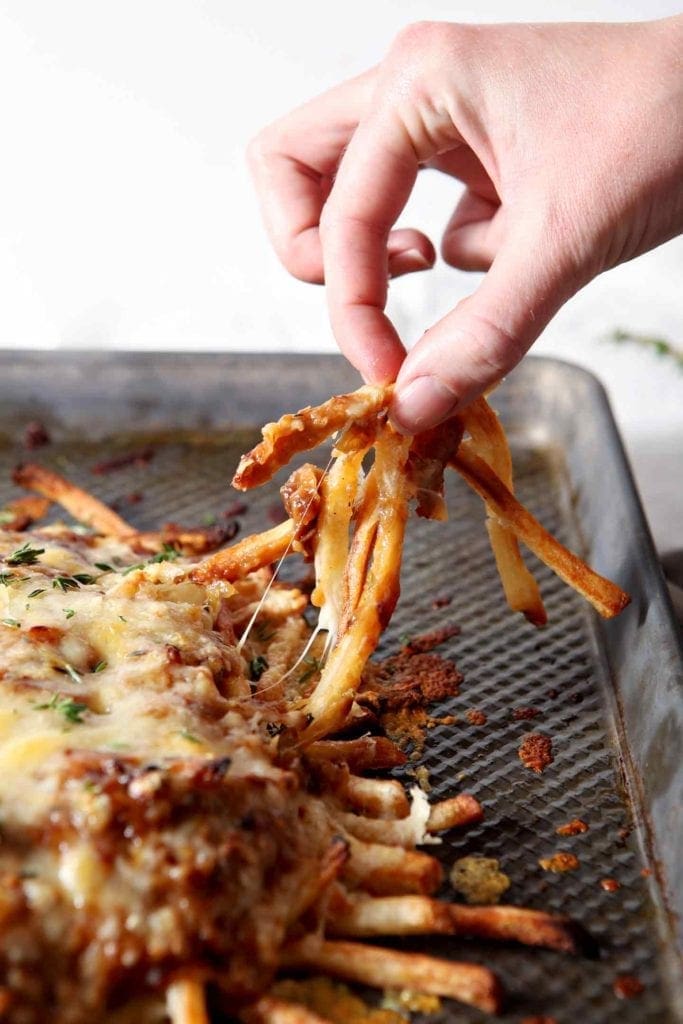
609	695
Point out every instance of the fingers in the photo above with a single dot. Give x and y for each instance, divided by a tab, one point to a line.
474	233
374	181
481	340
293	162
409	251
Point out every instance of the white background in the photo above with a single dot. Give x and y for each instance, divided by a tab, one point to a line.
127	219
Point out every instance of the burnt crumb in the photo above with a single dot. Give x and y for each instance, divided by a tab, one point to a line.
535	751
274	728
132	498
573	828
627	986
411	680
624	833
525	714
35	435
609	884
441	602
476	717
553	694
645	872
426	642
140	457
559	863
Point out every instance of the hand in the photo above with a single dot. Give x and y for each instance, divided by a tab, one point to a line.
569	140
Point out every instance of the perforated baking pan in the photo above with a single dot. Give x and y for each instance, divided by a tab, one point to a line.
608	694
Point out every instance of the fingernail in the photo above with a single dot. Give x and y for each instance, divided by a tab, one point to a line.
421	404
407	261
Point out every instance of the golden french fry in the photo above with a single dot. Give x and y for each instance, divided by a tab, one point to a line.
185	1002
82	505
386	968
491	444
249	554
301	431
606	597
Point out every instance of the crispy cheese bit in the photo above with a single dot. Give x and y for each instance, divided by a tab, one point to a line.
301	431
491	444
82	505
333	1001
559	863
536	751
573	828
606	597
385	968
479	879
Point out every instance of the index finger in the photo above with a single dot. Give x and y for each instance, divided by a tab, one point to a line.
375	179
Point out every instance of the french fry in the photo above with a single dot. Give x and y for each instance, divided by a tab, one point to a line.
185	1002
455	812
490	443
363	917
269	1010
249	554
381	798
389	870
361	754
83	506
22	512
385	968
304	430
606	597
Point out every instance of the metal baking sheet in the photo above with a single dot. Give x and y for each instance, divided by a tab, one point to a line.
608	694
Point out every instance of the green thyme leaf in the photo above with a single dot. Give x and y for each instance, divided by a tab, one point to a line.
11	622
65	583
72	710
132	568
104	567
84	578
35	593
7	516
100	666
6	578
69	612
167	554
190	737
25	555
257	666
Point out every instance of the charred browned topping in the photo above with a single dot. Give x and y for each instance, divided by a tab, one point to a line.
610	884
536	751
476	717
411	680
426	642
301	495
35	435
441	602
572	828
627	986
140	457
525	714
560	862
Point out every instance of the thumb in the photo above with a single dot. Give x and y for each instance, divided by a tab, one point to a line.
480	340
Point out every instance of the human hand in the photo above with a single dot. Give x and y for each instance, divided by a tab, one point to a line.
569	140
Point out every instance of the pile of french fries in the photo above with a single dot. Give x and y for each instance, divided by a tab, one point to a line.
350	521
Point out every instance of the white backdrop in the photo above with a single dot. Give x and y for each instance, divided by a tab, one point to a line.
127	219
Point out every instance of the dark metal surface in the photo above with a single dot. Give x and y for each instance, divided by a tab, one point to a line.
608	695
